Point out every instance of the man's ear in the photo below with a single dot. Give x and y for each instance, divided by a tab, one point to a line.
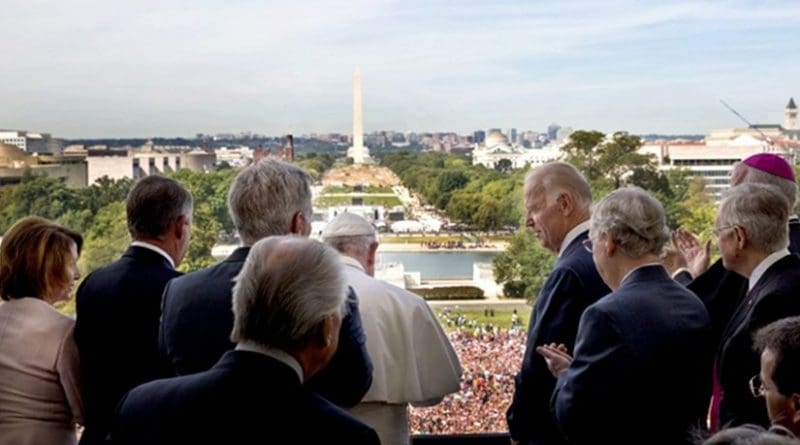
609	246
566	203
795	404
180	229
299	224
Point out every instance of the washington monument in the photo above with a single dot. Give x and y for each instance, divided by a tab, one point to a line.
358	151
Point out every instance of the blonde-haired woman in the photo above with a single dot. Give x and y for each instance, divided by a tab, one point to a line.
40	399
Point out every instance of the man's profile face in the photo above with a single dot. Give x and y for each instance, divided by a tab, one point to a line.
544	218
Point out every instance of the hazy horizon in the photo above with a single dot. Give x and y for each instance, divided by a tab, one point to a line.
95	69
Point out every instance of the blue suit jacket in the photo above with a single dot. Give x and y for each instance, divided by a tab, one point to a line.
775	296
197	320
641	365
118	308
572	285
246	398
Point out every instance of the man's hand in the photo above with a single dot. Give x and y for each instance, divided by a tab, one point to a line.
556	356
696	255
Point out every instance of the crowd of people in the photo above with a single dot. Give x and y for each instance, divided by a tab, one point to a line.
271	340
490	357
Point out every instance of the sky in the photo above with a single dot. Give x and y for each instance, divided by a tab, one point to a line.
100	68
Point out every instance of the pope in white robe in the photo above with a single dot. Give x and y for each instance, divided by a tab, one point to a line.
412	357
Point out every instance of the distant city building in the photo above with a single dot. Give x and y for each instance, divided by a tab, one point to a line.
478	137
563	134
31	142
497	148
15	163
552	131
135	164
512	135
714	158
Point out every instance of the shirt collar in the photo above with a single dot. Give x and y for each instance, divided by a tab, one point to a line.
765	264
571	235
279	355
635	269
155	248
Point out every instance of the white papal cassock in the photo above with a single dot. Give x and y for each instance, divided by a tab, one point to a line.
412	357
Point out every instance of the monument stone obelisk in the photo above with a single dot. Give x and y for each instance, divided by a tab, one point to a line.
358	151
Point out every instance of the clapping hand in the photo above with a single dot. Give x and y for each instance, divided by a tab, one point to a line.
697	255
556	356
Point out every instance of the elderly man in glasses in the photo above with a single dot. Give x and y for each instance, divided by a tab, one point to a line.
779	379
642	355
752	235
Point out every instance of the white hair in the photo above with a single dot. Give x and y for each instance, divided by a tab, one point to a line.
265	197
762	210
633	219
787	188
287	287
356	246
556	178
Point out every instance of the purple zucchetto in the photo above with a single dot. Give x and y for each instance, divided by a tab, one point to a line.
772	164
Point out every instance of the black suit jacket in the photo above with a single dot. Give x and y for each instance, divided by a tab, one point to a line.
246	398
641	363
573	285
776	295
197	321
721	290
118	309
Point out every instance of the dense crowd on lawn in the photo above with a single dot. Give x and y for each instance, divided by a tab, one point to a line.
490	357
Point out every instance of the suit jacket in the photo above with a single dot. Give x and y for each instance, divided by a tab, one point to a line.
775	296
641	364
197	320
572	285
246	398
118	309
721	290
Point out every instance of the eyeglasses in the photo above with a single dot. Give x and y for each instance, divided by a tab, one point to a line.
587	244
757	387
717	231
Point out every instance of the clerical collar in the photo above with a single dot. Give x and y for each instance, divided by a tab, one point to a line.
156	249
572	234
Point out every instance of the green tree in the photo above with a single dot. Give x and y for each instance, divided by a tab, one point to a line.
106	239
581	151
523	268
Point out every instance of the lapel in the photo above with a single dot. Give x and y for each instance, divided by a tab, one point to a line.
749	302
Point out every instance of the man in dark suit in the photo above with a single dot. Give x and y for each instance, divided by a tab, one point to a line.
720	289
779	378
641	359
118	306
288	305
267	198
752	236
557	199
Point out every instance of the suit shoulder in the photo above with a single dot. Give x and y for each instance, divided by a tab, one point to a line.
336	420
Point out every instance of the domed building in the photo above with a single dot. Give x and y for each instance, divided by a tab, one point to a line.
496	148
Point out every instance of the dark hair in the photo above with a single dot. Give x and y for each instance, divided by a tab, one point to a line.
782	337
154	204
34	255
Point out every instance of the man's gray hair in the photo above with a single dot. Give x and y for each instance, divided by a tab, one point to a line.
633	219
264	198
287	287
787	188
560	177
763	212
154	204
